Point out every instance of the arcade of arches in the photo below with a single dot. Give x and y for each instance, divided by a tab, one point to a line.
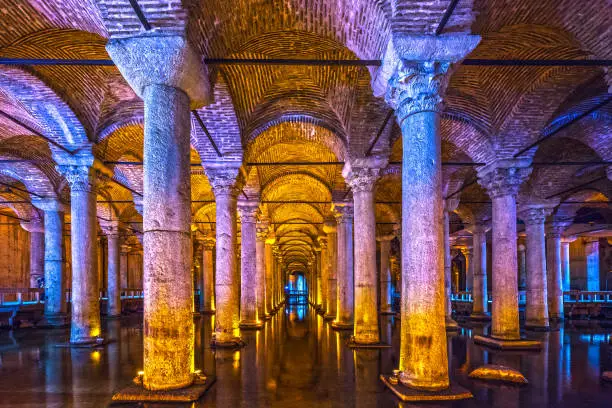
440	164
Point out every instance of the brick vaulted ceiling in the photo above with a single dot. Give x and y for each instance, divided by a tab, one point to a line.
274	113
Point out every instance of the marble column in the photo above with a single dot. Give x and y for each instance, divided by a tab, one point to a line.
260	272
566	262
123	265
208	282
522	266
480	298
361	176
324	272
554	270
316	278
227	278
469	279
37	249
386	301
591	250
332	278
166	72
502	179
249	317
536	307
344	266
85	320
450	205
113	285
55	304
269	265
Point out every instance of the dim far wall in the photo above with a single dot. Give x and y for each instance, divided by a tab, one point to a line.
14	254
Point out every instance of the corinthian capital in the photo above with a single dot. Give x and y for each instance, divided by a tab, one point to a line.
80	178
343	212
224	180
504	177
248	211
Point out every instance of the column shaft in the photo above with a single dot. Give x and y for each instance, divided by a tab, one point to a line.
479	289
249	317
565	261
386	303
536	308
208	283
450	322
344	267
37	257
555	277
123	267
114	282
54	267
591	249
332	277
269	265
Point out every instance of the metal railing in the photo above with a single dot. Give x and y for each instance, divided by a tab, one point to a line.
572	296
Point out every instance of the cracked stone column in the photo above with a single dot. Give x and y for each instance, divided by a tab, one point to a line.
263	227
324	272
332	278
208	282
85	320
502	179
227	278
415	93
166	72
344	309
55	305
361	176
536	307
566	262
113	286
123	265
480	299
269	265
249	318
591	250
554	270
450	205
37	250
386	302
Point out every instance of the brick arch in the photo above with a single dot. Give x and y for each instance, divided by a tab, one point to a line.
31	175
287	212
26	212
567	212
309	229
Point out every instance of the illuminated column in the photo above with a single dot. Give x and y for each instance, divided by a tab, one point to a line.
123	265
479	289
502	179
227	280
55	305
591	249
208	282
85	321
332	284
269	264
275	276
554	270
324	272
361	175
565	261
344	266
169	76
260	272
249	318
113	286
37	249
386	302
450	205
522	266
536	307
469	279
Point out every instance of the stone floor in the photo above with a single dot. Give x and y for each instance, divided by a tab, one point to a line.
299	361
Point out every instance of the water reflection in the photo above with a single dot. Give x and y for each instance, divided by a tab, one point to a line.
297	360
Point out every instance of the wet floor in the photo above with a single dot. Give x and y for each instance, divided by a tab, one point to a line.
297	361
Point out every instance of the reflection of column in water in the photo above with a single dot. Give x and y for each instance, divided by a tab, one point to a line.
555	349
248	367
366	377
269	354
388	360
228	370
537	373
113	354
54	371
506	397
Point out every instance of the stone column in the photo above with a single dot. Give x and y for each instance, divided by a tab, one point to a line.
113	286
450	205
386	302
591	250
316	277
502	179
269	264
168	75
262	233
227	279
554	270
361	176
469	279
37	250
522	267
55	304
536	307
480	298
249	318
344	267
208	282
565	262
123	265
324	272
85	321
332	283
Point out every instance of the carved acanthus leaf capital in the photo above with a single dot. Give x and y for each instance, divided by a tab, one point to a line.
110	228
224	181
80	178
343	212
504	177
248	211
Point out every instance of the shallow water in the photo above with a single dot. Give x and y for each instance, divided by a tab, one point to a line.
297	361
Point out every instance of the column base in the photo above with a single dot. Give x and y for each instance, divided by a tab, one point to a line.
208	312
93	343
387	312
480	317
234	343
351	343
404	393
250	324
267	316
54	321
113	317
342	325
537	327
136	392
451	324
500	344
328	316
